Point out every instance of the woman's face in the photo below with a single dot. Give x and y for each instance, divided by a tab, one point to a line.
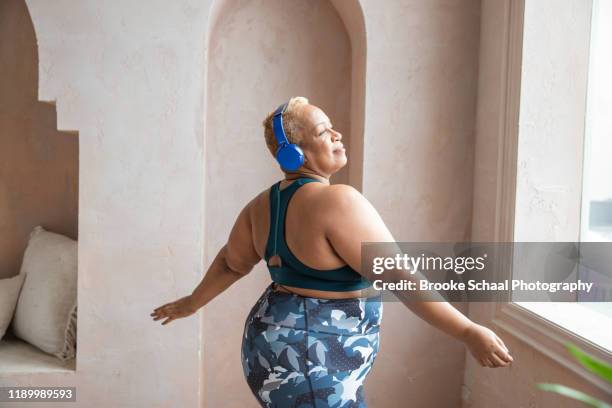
321	144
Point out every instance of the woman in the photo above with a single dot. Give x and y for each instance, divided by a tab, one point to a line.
312	336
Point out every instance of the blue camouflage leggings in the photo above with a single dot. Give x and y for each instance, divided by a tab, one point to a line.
304	352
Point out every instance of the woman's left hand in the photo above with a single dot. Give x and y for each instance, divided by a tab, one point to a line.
488	349
182	307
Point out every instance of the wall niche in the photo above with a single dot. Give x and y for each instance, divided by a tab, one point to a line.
39	177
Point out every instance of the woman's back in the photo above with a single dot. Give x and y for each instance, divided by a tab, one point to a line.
306	224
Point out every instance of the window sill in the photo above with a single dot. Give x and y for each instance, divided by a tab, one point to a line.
549	338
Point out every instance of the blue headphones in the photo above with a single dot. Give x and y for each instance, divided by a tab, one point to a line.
288	155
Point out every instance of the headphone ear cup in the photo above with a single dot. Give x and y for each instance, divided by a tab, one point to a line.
290	157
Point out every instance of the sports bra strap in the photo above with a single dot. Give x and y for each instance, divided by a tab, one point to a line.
276	207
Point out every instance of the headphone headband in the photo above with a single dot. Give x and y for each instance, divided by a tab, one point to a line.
279	130
288	155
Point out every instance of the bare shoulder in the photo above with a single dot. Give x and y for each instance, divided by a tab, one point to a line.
350	220
259	201
341	205
342	196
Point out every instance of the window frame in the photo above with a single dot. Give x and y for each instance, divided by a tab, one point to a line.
536	331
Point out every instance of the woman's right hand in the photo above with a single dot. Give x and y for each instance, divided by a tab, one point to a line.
182	307
488	349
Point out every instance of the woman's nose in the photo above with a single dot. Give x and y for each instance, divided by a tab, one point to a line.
338	135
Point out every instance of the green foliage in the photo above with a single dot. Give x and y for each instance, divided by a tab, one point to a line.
601	368
572	393
596	366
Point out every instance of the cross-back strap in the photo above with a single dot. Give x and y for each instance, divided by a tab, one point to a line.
275	202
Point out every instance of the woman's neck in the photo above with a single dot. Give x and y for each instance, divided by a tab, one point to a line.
306	173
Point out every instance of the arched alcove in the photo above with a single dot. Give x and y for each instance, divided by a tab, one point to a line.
39	164
259	54
38	168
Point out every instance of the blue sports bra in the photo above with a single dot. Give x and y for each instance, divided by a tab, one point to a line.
292	272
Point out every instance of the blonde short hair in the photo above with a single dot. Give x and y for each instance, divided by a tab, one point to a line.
291	123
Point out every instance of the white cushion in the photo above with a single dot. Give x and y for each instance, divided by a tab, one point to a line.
9	292
46	310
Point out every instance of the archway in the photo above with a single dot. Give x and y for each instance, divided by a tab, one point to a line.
260	54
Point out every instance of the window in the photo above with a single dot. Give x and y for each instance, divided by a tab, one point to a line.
564	171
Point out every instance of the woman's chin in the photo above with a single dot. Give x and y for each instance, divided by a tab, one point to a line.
343	162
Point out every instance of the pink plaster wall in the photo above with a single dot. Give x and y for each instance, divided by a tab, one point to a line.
421	79
129	79
38	164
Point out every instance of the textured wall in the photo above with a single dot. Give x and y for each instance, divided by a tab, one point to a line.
38	164
418	161
130	80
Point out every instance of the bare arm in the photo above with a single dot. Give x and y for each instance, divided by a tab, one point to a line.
236	259
353	220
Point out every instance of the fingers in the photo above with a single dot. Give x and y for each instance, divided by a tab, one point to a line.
169	311
497	362
489	362
494	360
162	311
501	344
486	362
159	311
504	353
174	310
161	307
161	316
